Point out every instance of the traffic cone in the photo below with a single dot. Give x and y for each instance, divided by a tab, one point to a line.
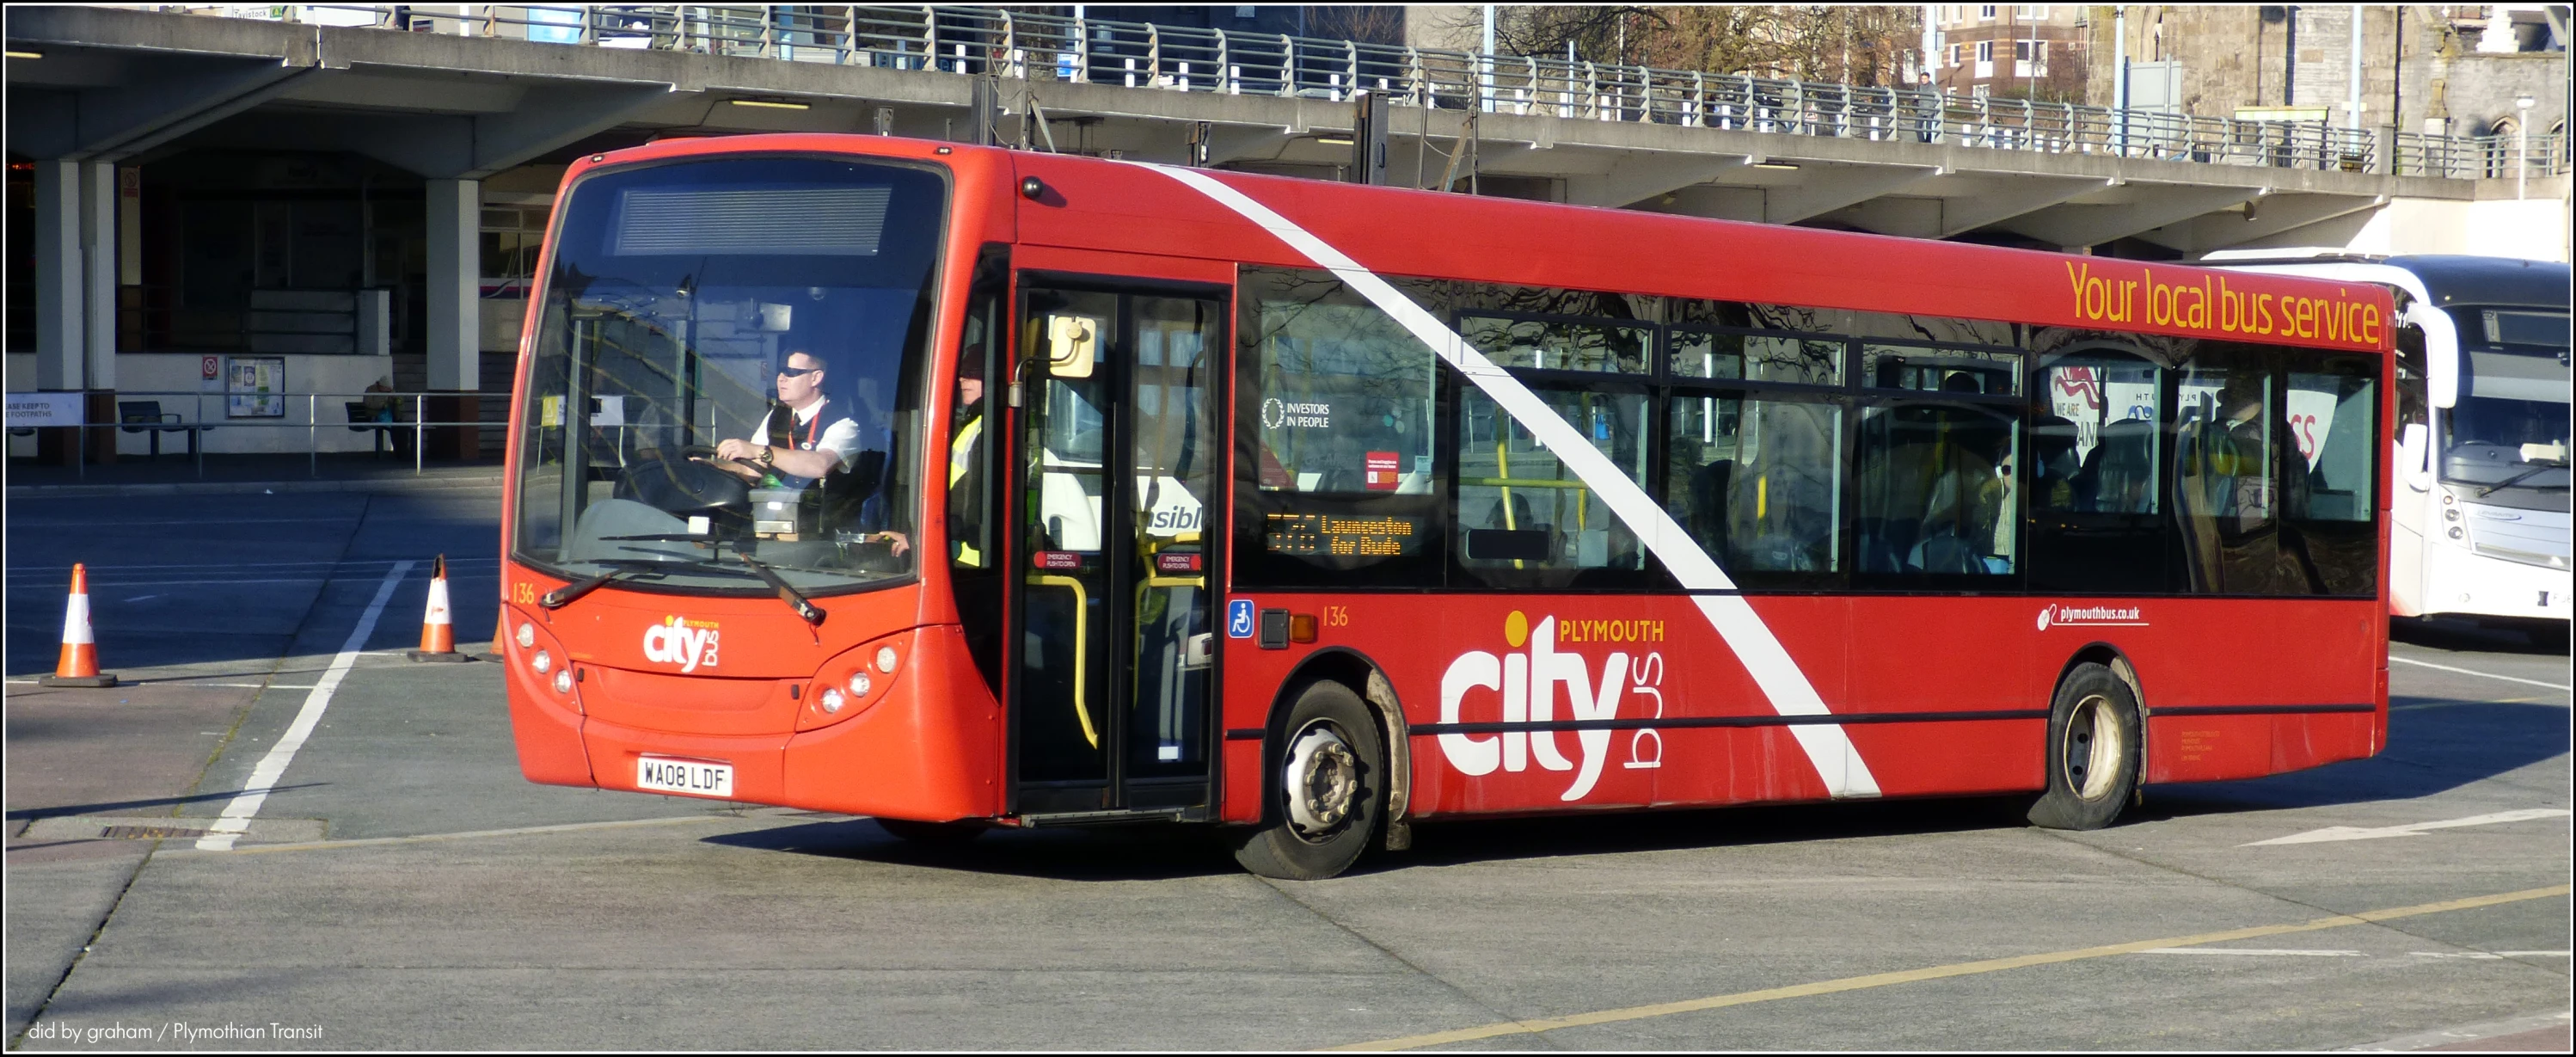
78	665
437	631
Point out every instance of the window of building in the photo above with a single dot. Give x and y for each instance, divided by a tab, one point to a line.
1986	12
1985	51
511	238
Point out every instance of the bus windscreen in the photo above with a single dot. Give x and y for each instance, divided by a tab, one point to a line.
727	365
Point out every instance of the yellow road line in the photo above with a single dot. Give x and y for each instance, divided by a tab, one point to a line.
1938	972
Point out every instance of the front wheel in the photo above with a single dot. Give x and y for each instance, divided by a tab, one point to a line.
2095	740
1331	789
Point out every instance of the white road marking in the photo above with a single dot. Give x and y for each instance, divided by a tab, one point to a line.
263	778
2491	955
142	598
570	827
1781	680
2466	671
2289	952
2412	829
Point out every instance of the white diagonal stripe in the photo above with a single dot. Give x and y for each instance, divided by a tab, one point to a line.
1782	682
264	776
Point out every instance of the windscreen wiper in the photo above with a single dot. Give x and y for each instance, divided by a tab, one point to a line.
564	596
2519	478
786	593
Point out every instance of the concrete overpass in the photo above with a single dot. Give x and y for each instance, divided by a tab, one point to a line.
468	94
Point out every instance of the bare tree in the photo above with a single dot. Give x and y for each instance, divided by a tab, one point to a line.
1862	45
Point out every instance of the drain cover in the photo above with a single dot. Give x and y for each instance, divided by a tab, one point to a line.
149	832
165	827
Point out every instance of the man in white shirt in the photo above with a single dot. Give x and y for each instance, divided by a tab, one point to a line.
820	440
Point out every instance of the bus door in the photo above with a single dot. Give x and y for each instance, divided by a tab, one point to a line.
1118	455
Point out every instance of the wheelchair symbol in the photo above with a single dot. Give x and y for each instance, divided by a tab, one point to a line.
1238	619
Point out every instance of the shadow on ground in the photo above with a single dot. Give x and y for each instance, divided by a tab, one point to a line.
2438	746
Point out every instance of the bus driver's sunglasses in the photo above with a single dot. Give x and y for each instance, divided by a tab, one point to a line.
796	372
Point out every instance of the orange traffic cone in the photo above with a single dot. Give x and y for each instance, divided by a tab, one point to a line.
437	630
78	665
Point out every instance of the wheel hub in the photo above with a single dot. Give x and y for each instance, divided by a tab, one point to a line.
1322	778
2094	746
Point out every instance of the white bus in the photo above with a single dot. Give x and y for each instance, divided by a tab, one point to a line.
2479	524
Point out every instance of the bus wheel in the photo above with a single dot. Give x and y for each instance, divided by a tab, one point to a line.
1331	790
930	834
2094	739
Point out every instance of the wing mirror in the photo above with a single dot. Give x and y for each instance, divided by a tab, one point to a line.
1072	345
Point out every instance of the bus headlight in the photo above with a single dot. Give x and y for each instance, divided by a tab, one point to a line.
2451	514
2455	532
527	635
832	699
563	681
886	659
544	662
859	684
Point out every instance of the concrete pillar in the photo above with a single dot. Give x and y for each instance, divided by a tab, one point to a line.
455	306
98	271
455	266
60	351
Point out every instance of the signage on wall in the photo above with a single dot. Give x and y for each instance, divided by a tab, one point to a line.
255	387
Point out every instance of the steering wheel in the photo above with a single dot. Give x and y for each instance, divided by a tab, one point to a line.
678	484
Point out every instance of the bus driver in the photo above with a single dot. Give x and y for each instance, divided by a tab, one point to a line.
821	439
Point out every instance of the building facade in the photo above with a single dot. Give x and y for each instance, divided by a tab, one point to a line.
2451	69
2020	51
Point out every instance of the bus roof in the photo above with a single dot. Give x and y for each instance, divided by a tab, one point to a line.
2446	278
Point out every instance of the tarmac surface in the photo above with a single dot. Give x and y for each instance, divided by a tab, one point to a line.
405	887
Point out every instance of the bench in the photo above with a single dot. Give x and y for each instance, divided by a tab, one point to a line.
361	420
146	417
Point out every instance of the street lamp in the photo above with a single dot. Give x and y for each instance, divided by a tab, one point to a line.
2522	144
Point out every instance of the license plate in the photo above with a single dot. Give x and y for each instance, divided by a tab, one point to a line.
685	777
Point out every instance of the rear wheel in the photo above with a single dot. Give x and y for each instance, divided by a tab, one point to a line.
930	834
1330	769
2094	744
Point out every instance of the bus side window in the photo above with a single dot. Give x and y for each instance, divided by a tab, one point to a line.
1757	481
1337	427
2227	474
2096	472
2331	473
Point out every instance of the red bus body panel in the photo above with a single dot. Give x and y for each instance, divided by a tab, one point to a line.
933	746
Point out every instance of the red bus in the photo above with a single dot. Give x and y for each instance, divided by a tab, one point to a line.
963	488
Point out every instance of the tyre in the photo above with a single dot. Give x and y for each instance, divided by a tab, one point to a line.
1330	790
2094	744
930	834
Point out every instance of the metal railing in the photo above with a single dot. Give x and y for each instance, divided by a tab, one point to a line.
198	425
1056	48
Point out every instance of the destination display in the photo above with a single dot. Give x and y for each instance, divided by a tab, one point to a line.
1340	537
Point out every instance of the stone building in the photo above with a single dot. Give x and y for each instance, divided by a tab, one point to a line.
2455	69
